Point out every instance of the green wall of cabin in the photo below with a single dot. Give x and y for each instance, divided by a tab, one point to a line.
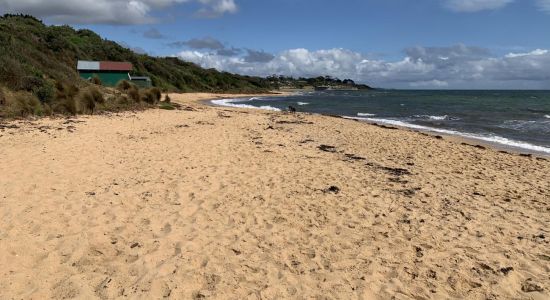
107	79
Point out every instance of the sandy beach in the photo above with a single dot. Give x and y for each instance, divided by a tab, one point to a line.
225	203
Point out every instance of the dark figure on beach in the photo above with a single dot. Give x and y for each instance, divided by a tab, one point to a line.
291	109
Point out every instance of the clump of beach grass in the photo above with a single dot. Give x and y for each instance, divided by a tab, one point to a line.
123	85
151	96
96	80
23	104
88	100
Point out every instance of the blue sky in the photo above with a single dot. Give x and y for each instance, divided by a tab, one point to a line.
388	43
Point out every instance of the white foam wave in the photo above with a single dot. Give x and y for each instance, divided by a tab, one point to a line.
366	115
547	116
436	118
302	103
491	139
230	103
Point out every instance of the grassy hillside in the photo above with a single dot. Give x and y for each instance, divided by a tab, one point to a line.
31	52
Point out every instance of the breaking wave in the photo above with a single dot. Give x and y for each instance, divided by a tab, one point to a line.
491	139
230	103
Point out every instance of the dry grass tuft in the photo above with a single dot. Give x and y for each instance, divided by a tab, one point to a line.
96	80
124	85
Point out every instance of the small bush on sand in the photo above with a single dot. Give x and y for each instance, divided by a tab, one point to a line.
87	100
151	96
96	80
25	104
65	101
133	94
96	95
156	92
123	85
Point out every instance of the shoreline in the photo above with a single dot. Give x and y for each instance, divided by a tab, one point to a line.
458	137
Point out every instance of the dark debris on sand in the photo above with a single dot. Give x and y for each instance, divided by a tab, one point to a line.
332	189
327	148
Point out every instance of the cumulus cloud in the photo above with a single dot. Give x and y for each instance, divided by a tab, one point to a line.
107	11
153	33
229	51
476	5
207	43
253	56
457	66
215	8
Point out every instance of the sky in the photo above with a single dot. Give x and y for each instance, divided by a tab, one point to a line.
420	44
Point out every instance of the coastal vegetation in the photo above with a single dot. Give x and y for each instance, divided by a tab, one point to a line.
287	82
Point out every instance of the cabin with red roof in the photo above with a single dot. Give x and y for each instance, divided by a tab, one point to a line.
110	72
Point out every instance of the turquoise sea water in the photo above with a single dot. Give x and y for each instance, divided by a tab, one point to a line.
518	119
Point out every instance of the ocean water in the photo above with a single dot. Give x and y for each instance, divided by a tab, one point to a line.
516	119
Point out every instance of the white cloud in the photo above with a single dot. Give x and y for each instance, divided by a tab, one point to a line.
544	5
463	67
480	5
534	52
430	84
476	5
107	11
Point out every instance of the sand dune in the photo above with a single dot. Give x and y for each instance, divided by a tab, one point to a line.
221	203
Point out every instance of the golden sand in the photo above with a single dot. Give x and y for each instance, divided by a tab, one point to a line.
220	203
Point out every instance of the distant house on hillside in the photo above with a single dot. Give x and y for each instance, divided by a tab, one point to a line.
110	72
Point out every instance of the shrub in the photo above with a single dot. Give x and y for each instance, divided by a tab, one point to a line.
65	90
45	92
96	95
156	92
30	83
86	102
70	105
151	96
65	98
11	71
96	80
25	104
88	98
133	93
124	85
